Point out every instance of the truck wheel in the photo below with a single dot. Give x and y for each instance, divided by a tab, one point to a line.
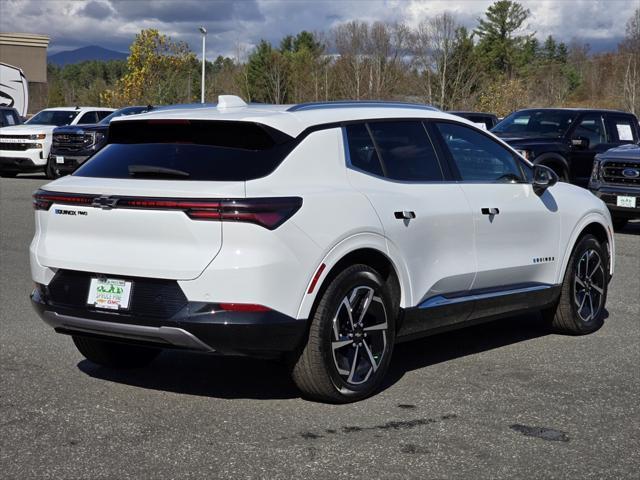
580	309
350	341
115	355
50	170
619	223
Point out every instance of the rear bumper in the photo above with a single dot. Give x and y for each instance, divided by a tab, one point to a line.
195	327
609	194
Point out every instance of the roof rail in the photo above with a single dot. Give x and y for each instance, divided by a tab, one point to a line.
358	104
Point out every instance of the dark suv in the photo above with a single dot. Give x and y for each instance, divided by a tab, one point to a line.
567	140
72	145
615	178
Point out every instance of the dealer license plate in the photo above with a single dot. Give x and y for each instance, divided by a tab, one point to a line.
109	293
629	202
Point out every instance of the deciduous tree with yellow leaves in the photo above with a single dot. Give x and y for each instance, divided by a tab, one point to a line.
157	72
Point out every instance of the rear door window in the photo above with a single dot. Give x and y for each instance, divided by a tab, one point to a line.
591	127
102	114
478	157
406	151
89	117
188	150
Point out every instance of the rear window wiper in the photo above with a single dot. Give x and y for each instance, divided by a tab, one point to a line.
156	171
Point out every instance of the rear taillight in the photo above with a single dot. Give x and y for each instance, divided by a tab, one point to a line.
269	213
43	200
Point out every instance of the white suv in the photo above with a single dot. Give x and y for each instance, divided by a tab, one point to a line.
324	233
25	148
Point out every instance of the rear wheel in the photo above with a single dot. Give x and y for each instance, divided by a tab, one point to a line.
620	223
115	355
580	309
350	339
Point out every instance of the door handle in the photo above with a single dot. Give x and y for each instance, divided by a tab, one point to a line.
490	211
405	215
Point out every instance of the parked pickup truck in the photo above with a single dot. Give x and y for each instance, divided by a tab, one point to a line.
567	139
615	179
73	144
486	121
25	148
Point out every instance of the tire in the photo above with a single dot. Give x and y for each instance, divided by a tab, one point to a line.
619	223
580	309
50	170
8	174
325	370
115	355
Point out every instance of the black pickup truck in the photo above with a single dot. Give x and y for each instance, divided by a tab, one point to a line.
72	145
615	179
567	140
484	120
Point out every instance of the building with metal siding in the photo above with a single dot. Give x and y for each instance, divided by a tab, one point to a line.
28	52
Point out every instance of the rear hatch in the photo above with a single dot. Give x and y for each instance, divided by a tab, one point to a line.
153	201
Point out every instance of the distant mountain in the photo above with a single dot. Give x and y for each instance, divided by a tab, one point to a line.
92	52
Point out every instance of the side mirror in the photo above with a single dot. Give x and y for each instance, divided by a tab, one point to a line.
543	178
580	142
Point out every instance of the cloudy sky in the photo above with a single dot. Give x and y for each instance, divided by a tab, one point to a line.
113	23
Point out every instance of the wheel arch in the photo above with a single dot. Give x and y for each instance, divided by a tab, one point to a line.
596	225
553	159
366	250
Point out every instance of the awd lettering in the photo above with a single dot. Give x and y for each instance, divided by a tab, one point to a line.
60	211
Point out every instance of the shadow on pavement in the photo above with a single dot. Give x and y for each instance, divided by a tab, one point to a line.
237	377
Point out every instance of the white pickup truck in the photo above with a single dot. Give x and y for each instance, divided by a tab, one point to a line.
25	148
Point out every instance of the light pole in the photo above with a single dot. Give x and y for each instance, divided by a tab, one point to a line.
203	31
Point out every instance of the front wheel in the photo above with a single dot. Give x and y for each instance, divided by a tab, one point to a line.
580	309
351	339
115	355
51	171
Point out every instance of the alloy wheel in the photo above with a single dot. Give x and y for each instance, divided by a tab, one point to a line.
359	336
588	287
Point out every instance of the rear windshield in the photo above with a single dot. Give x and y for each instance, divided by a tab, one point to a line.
188	150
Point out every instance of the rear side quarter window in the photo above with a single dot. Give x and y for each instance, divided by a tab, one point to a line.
362	152
624	128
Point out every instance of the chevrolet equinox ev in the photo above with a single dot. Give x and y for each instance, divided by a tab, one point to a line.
320	233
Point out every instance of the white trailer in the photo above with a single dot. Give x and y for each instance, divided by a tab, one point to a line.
14	90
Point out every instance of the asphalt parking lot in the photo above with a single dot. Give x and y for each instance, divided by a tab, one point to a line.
504	400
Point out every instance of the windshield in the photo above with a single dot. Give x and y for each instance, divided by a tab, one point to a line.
53	117
123	112
536	123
